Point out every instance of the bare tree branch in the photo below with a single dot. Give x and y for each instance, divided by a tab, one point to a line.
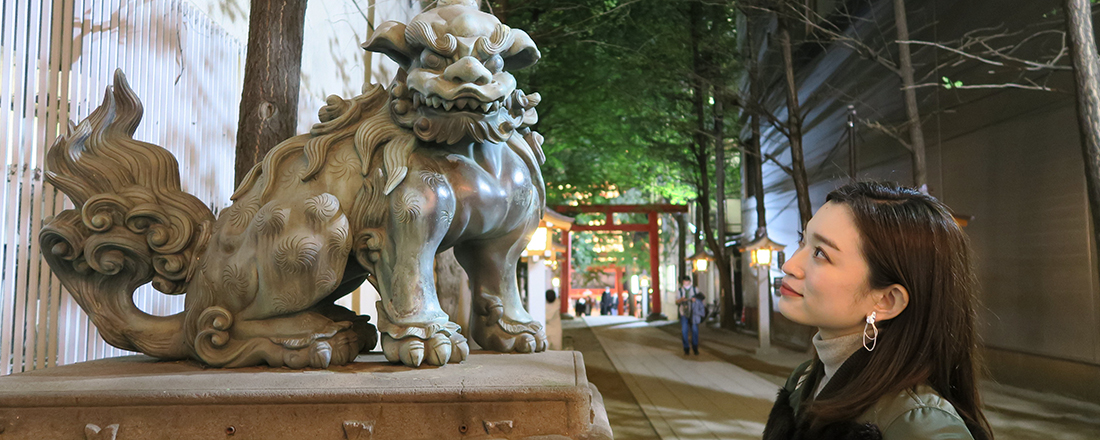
772	120
786	169
892	132
1032	86
551	34
812	19
1031	64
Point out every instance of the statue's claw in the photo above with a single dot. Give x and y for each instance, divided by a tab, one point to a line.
412	353
345	346
408	351
542	342
460	349
320	355
525	343
337	350
439	349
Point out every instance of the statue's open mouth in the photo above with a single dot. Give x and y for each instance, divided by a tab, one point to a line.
458	104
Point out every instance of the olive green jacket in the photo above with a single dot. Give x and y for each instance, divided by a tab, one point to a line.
916	414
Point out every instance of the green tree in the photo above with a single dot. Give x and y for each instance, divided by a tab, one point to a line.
635	92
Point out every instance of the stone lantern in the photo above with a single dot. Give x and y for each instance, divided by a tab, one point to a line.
761	252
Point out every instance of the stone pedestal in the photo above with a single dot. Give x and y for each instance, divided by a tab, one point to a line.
540	396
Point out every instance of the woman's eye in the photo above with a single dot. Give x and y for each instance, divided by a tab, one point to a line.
820	253
495	64
432	61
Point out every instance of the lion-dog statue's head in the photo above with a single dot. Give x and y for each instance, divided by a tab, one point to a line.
454	81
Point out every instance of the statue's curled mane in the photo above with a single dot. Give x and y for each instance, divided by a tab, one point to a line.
364	119
368	121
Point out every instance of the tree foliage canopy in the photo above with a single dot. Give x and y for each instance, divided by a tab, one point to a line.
612	73
618	117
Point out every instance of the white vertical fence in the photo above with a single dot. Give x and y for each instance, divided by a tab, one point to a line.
56	59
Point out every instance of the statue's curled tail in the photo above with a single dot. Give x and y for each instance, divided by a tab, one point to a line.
132	224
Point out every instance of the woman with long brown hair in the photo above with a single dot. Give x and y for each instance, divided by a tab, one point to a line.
885	274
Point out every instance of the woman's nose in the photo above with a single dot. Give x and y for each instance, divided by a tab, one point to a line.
792	266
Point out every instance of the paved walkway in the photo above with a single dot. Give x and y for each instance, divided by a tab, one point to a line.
653	391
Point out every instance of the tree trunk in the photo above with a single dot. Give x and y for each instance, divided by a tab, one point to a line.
905	65
269	102
1087	77
756	179
699	140
755	158
757	182
682	233
726	305
720	167
794	127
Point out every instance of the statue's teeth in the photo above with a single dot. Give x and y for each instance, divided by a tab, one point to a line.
416	100
436	101
460	103
485	106
448	104
496	105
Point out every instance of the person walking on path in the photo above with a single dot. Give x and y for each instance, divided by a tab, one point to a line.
692	308
605	302
885	274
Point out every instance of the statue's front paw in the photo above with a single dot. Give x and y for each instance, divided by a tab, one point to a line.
439	349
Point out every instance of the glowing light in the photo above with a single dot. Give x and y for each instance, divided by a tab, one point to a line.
762	257
701	265
538	241
699	260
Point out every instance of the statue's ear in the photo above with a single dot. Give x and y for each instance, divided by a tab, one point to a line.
389	40
523	52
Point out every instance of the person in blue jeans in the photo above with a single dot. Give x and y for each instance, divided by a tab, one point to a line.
692	307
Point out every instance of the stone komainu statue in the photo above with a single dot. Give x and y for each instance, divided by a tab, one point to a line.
443	158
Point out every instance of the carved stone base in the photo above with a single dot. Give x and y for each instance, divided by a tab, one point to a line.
543	396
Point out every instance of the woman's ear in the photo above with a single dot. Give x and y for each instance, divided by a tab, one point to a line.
892	301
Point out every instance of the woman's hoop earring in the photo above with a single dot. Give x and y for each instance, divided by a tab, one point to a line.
873	337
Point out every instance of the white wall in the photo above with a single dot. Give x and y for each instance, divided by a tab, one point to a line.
538	281
58	59
332	61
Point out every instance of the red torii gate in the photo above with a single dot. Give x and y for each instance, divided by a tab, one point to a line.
609	225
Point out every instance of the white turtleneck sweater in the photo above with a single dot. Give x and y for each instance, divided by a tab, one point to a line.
833	352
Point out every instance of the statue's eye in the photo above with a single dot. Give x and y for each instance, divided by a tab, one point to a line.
495	64
432	61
